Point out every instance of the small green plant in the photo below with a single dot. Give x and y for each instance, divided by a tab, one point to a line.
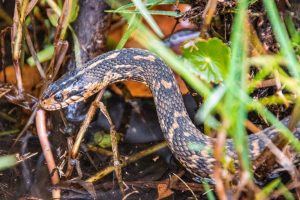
7	161
209	58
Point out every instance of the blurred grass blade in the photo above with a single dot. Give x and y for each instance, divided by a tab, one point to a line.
282	37
236	83
151	3
263	111
54	6
267	190
130	29
151	12
43	55
208	191
142	8
209	104
295	34
76	48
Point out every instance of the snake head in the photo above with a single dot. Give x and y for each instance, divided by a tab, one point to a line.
67	90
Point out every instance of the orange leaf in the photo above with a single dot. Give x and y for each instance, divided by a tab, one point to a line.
30	76
163	191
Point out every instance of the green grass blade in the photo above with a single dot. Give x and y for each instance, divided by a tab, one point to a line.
282	37
151	12
151	3
131	28
210	103
267	190
235	110
208	191
142	8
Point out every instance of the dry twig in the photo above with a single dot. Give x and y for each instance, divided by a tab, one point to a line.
43	137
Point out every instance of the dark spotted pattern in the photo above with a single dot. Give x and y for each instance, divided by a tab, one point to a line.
191	147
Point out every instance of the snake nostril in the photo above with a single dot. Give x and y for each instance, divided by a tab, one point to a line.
59	97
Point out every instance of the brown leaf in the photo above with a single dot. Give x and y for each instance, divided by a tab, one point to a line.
163	191
30	76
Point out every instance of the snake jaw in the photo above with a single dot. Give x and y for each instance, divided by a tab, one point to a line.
50	107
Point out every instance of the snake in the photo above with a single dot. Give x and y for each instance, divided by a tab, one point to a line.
192	148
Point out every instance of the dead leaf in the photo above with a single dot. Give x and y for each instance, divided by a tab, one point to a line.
163	191
30	76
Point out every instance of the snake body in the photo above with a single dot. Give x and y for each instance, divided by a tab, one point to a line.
192	148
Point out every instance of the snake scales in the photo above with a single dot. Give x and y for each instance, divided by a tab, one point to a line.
191	147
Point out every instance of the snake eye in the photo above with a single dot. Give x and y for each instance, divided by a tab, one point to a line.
59	97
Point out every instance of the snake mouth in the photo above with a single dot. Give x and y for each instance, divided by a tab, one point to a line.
51	107
51	104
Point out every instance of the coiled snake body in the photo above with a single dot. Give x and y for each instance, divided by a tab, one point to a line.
191	147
